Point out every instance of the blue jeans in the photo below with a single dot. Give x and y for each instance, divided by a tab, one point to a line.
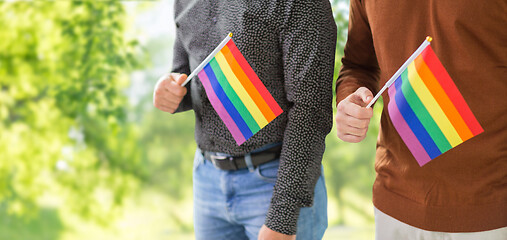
232	205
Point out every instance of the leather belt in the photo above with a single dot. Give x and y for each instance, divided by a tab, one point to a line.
238	162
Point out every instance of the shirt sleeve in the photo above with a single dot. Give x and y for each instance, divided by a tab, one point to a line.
359	63
308	41
181	65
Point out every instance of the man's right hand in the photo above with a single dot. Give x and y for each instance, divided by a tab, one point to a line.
352	117
168	92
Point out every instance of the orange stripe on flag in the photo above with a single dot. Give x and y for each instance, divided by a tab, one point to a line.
443	100
438	70
263	91
247	84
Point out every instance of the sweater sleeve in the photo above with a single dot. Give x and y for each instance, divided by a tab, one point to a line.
359	63
308	41
181	65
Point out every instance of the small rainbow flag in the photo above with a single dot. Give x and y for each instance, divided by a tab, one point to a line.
236	92
427	109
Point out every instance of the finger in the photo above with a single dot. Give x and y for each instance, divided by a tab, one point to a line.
162	104
168	109
344	128
173	93
354	110
344	133
360	132
347	129
168	102
176	89
351	138
356	123
344	119
166	106
160	90
179	78
162	81
365	94
173	84
167	78
157	90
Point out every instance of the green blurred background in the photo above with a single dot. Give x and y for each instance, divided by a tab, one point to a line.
83	152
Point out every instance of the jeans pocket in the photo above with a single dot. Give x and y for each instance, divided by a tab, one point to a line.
268	171
198	159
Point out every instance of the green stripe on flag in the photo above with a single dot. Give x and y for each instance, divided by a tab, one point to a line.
233	97
423	115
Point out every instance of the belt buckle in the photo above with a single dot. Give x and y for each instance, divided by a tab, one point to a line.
215	158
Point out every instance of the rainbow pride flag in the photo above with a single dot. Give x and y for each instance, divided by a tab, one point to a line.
428	110
236	92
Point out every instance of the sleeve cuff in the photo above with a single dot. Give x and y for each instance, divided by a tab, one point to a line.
186	102
283	218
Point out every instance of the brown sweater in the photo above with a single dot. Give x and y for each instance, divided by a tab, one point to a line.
464	189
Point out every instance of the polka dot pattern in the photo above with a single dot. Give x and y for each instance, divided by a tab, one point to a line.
291	47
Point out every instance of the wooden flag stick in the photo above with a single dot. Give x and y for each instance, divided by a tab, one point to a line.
401	69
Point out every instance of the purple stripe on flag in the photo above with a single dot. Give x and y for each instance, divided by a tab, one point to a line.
226	102
220	109
411	141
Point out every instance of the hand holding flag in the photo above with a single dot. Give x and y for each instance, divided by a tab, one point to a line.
353	117
168	92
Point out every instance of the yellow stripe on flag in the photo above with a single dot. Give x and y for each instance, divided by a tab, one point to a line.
432	106
240	90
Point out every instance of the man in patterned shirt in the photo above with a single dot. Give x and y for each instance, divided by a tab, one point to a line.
280	193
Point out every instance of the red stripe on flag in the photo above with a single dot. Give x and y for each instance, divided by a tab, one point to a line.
254	78
450	88
248	85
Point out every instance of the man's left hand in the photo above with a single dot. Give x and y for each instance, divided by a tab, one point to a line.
267	234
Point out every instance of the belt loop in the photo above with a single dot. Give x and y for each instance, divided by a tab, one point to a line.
248	161
199	160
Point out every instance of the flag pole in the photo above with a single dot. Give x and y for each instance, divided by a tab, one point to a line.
401	69
207	59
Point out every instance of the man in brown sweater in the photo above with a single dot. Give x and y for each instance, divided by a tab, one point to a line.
461	194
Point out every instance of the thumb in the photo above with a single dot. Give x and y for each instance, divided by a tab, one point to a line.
365	94
179	78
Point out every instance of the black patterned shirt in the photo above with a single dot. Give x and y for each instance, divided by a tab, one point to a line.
291	47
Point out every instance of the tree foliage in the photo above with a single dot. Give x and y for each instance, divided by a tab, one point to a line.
63	128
